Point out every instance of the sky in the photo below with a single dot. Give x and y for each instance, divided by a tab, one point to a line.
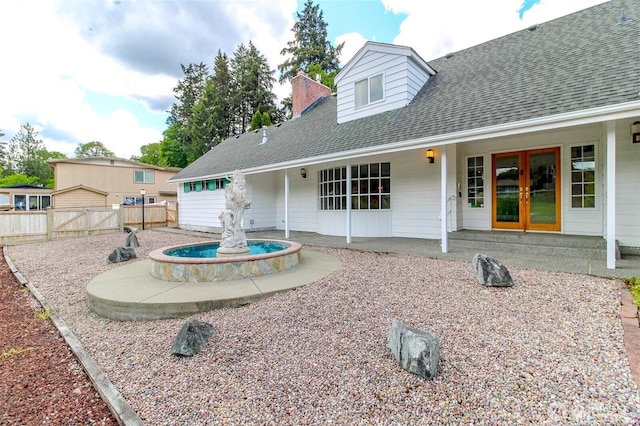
104	70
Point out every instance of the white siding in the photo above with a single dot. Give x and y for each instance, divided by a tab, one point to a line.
262	191
198	211
627	187
415	195
303	203
402	80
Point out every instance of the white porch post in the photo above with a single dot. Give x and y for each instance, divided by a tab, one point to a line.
443	198
348	203
611	195
286	204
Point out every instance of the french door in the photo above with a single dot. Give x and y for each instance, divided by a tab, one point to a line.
526	190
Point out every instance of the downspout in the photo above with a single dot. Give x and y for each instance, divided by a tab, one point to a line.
443	199
348	203
611	195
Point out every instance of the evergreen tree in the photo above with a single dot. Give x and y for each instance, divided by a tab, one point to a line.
266	119
222	82
3	154
310	45
173	153
27	154
253	85
201	128
256	121
187	93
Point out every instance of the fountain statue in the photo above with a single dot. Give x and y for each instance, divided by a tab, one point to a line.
234	241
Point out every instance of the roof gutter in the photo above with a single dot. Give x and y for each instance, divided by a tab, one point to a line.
576	118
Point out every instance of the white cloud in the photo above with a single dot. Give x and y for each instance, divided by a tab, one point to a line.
353	42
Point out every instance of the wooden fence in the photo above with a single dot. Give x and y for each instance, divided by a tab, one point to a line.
16	227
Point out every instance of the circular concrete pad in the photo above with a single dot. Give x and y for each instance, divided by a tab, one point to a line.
130	293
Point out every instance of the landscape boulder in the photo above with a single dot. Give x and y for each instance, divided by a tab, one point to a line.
191	338
131	240
417	351
491	272
122	254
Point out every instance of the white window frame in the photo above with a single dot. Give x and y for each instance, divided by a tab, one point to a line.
369	101
578	177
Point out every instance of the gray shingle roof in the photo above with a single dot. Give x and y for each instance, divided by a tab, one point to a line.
577	62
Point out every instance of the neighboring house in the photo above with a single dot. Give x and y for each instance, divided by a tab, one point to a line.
104	181
24	197
533	131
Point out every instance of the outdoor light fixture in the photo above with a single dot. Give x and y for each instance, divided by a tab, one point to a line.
142	193
303	173
635	132
430	156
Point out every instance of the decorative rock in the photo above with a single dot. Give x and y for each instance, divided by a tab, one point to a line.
122	254
491	272
191	338
132	239
417	351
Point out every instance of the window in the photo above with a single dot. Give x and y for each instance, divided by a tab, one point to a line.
132	200
205	185
333	189
142	176
151	200
475	181
583	181
22	202
368	91
370	187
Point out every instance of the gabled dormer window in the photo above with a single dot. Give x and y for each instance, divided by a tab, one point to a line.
368	91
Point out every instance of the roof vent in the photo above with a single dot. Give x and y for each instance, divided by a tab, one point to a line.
265	139
533	27
623	18
449	55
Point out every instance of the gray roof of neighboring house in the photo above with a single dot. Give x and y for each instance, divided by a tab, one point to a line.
577	62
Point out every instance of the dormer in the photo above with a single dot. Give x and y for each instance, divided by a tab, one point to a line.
380	77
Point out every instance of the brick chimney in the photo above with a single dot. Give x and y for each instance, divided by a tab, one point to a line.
305	92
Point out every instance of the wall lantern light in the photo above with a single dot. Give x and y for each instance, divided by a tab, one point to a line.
142	193
635	132
303	173
430	156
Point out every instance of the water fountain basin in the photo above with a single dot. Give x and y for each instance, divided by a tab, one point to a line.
225	268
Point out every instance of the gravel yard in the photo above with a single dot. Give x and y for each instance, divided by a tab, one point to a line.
548	350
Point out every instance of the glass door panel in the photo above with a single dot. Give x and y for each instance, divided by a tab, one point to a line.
542	188
507	173
542	194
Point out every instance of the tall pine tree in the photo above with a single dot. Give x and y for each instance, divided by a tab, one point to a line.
310	45
253	85
187	93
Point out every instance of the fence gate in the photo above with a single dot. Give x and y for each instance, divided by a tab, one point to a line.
172	214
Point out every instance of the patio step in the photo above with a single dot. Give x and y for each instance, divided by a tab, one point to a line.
534	243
